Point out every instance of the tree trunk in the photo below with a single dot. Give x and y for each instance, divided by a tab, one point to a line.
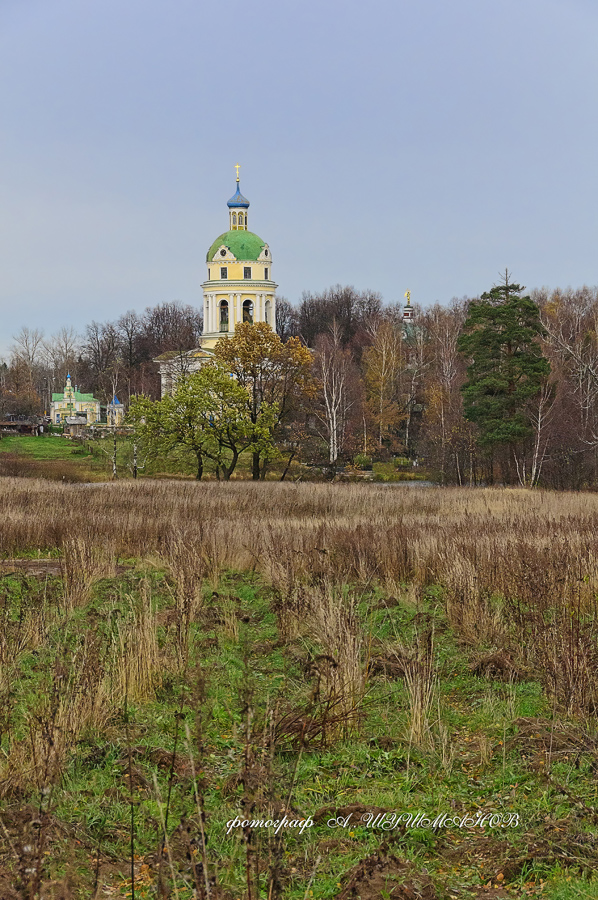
228	471
288	465
199	472
255	473
114	471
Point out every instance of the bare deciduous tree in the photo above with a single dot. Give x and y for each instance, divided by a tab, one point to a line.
27	347
383	363
332	368
287	322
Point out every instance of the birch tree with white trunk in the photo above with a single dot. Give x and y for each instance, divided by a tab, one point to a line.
332	370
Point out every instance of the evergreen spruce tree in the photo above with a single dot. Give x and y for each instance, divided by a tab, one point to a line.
507	368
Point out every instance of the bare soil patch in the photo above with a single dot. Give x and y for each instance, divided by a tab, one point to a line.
383	876
40	567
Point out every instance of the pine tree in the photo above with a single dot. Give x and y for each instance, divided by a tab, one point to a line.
507	368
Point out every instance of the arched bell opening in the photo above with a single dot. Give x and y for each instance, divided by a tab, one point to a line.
224	315
248	311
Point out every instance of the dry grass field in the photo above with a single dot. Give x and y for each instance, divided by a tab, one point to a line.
174	655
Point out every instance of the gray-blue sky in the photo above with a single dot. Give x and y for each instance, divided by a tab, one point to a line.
387	144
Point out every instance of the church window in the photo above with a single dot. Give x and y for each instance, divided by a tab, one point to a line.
224	272
268	310
223	252
248	311
265	252
235	218
223	315
208	274
266	273
247	272
240	219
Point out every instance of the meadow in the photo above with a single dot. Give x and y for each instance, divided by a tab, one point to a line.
58	458
176	657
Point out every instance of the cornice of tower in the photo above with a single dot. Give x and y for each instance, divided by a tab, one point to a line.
224	286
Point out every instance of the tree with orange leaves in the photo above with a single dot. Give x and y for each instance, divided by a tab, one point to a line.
274	373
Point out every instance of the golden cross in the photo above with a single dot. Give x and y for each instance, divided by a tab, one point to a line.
237	167
408	295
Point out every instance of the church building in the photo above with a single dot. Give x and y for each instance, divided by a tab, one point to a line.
239	288
72	403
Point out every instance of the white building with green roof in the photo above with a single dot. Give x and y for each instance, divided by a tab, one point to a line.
71	402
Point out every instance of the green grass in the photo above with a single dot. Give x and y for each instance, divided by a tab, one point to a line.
568	887
51	457
474	759
94	457
387	471
92	460
42	447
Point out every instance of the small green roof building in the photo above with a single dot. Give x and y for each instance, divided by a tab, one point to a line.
72	402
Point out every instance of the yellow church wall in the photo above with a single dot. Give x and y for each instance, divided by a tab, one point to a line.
236	272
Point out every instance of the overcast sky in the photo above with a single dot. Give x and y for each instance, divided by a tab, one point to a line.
389	145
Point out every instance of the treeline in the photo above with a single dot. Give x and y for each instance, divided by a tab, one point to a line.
110	358
384	387
393	387
390	387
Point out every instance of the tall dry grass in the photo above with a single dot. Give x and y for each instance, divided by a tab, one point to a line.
135	660
83	564
341	673
519	569
421	683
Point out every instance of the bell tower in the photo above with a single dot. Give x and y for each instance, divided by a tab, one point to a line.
239	286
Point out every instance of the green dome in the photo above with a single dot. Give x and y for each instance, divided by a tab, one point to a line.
244	245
